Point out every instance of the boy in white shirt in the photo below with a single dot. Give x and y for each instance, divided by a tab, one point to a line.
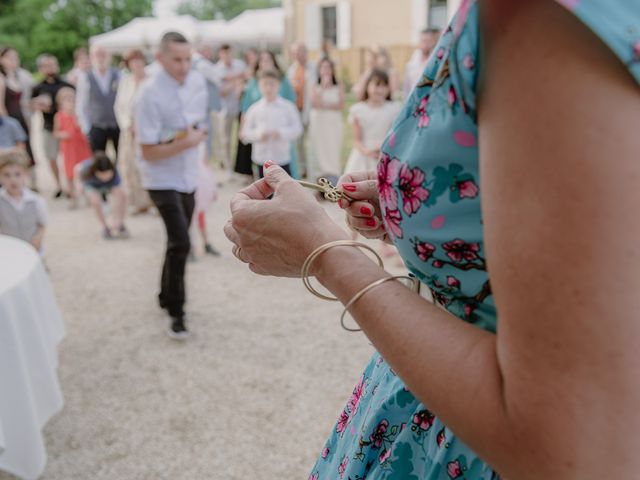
271	124
23	213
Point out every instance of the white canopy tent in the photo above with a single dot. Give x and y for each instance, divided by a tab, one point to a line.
258	28
146	32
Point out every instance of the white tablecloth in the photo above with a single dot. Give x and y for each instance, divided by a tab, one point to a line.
30	330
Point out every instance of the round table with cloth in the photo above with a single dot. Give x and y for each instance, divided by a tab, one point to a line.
31	328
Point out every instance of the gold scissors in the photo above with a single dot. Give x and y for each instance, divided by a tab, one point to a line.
329	191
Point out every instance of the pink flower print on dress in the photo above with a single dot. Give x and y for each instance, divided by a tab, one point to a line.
384	456
469	309
392	140
467	189
465	139
392	220
377	437
440	53
452	96
636	50
454	470
314	476
437	264
342	422
325	452
421	113
468	62
343	467
411	189
439	298
387	175
423	420
441	438
438	222
453	282
424	250
459	250
354	401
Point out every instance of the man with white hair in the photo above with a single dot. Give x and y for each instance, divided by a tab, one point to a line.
95	101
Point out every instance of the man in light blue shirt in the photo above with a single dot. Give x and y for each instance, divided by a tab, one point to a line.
170	123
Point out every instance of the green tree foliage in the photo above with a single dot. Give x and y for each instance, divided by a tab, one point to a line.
227	9
60	26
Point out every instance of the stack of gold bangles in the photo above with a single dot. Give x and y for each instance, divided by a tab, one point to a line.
306	267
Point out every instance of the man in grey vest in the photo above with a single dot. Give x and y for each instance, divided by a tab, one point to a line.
96	97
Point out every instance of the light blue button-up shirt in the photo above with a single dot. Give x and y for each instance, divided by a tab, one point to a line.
164	108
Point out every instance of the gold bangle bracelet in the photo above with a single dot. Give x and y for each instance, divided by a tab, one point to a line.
364	291
319	251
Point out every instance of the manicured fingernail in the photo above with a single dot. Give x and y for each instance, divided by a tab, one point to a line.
365	211
268	164
341	203
371	222
349	187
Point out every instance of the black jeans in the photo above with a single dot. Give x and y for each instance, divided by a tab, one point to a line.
98	138
176	210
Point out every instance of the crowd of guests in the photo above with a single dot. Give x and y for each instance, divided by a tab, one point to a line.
110	136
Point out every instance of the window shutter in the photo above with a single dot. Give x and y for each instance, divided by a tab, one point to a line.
313	26
344	25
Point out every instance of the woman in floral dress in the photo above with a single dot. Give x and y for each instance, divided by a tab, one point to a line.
517	154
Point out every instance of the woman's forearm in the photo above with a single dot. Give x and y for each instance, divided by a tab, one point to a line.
448	364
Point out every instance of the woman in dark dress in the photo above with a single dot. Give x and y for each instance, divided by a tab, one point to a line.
244	165
18	86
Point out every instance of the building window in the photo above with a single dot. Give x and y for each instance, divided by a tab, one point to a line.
437	14
330	24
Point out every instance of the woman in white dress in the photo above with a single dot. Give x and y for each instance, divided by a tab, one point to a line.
127	158
325	124
371	120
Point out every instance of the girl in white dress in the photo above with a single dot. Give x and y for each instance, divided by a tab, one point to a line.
371	120
326	125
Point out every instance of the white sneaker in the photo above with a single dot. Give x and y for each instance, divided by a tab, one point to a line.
177	330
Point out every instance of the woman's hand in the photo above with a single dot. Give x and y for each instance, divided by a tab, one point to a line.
363	214
276	236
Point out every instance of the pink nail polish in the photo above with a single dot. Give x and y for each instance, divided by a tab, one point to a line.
349	187
268	164
371	222
365	211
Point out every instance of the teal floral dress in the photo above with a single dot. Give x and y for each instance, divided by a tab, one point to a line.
430	197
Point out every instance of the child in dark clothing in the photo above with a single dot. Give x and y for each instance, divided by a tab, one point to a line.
100	179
